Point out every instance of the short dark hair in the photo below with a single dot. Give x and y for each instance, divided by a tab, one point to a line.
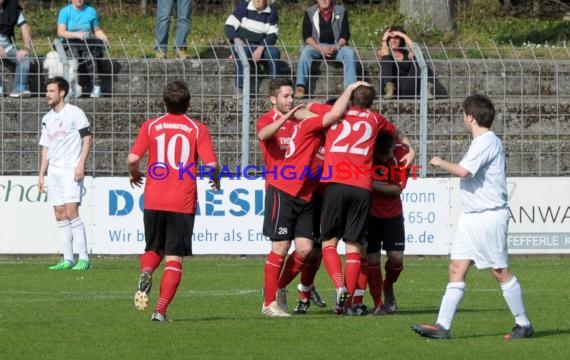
176	97
363	96
277	83
384	142
62	84
481	108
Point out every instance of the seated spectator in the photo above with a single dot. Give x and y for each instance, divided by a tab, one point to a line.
79	27
325	33
10	17
400	71
254	24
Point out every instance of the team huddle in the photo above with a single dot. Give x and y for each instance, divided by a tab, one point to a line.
314	212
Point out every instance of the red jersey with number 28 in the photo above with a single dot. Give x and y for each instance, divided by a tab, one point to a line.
273	149
391	172
349	146
174	144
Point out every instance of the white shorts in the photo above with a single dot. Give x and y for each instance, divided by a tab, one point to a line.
62	187
482	237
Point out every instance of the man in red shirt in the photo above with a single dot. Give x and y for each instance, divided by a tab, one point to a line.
174	143
386	221
347	172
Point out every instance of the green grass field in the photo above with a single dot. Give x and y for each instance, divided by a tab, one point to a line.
89	315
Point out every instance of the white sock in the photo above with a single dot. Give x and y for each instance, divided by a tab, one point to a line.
66	239
78	230
449	303
512	292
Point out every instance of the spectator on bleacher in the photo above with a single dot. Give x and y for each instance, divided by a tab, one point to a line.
79	27
183	23
10	17
254	24
326	33
400	71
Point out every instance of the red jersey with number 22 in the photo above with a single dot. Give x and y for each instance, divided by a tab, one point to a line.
174	143
349	147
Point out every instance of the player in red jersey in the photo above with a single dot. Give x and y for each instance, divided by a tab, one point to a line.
174	143
386	222
348	162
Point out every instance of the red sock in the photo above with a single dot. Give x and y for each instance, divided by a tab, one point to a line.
352	272
310	269
362	281
392	273
168	285
333	264
150	261
293	266
272	270
375	283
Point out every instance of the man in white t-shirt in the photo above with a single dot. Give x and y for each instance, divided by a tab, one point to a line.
65	141
481	236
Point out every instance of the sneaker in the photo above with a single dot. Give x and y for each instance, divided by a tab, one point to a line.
433	331
357	310
82	265
389	301
141	296
156	316
62	265
299	92
302	307
182	54
273	310
380	311
96	93
520	332
341	296
316	298
159	54
281	297
20	94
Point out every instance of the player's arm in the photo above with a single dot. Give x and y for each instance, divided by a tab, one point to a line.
43	169
341	104
87	138
450	167
215	179
303	114
268	131
135	175
408	159
386	189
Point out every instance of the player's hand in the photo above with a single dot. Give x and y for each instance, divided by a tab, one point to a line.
41	184
214	184
79	173
409	158
292	112
436	161
136	179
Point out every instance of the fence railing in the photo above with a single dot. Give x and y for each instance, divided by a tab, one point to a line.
528	86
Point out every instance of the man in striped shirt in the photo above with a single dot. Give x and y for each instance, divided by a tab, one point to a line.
254	25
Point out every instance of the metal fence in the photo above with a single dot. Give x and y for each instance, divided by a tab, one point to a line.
528	86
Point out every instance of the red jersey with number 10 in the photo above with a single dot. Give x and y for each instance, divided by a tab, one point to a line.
174	144
349	147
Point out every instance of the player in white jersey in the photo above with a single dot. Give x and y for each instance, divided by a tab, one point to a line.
481	236
65	142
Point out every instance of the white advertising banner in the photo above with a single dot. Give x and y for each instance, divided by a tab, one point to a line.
230	221
27	220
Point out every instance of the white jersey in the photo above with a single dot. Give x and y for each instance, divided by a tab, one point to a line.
60	134
486	188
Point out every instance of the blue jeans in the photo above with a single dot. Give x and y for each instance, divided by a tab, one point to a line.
163	12
271	56
22	69
344	55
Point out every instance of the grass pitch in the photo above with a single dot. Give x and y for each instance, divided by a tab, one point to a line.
217	314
